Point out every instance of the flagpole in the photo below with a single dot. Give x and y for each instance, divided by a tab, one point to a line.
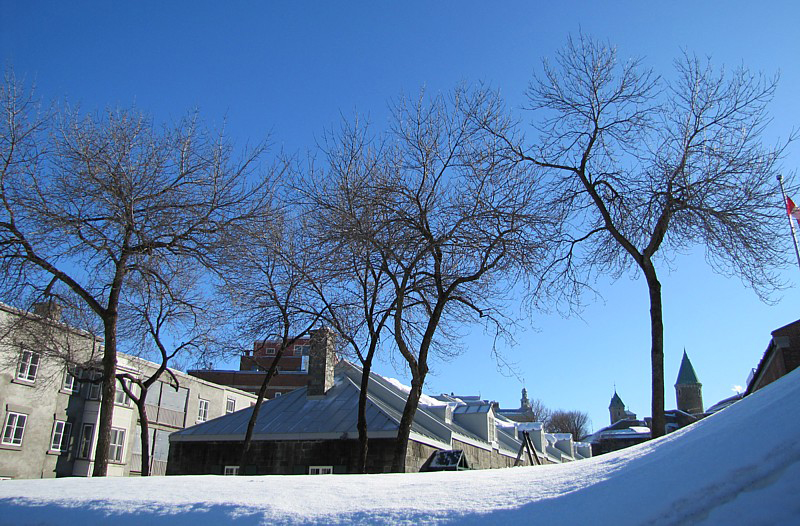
791	225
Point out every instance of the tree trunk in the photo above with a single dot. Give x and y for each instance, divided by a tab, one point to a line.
656	351
144	423
363	439
248	437
107	402
404	431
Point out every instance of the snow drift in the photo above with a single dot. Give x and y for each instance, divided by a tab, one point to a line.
739	466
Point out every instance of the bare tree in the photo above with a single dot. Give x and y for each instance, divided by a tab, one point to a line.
539	411
89	200
642	169
451	215
164	312
268	270
575	423
357	296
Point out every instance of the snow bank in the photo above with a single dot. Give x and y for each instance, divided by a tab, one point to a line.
738	466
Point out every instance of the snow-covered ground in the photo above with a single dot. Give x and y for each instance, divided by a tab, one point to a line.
739	466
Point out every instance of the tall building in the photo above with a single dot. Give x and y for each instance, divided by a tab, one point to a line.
50	416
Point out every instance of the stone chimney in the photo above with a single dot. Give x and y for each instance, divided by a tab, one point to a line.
321	361
48	309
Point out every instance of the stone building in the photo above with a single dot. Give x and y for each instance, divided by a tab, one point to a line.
50	418
688	389
312	429
626	430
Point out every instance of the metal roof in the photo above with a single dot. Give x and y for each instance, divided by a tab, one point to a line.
297	416
686	374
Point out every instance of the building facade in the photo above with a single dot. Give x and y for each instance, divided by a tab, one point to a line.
254	363
782	356
50	417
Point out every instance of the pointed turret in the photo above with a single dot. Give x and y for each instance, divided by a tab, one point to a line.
688	389
616	408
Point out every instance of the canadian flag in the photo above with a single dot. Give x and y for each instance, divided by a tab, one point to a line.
792	209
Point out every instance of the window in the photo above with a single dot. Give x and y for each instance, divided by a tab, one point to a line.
302	350
14	428
270	351
85	446
71	384
94	390
231	470
202	411
120	396
116	445
60	439
320	470
231	406
28	365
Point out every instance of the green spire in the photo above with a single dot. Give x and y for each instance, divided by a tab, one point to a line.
686	374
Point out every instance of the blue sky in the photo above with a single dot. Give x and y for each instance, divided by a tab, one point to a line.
288	70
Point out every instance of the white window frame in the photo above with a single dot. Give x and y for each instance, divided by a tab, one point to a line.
59	441
120	396
28	366
320	470
14	428
231	471
95	391
71	384
85	442
302	350
230	405
202	410
269	351
116	445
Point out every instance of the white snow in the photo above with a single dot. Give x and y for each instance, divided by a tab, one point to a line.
424	400
530	426
738	466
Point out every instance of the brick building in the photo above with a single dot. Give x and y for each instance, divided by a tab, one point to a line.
781	357
254	363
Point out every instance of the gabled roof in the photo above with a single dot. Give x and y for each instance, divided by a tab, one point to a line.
295	416
686	374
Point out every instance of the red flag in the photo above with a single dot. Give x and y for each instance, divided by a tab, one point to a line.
792	210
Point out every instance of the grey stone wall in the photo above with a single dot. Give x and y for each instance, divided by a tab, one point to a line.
293	457
283	457
480	458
